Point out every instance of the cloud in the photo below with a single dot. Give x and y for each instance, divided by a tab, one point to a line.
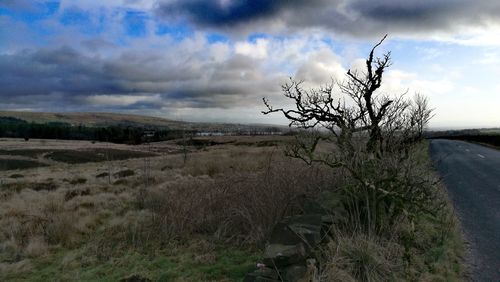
121	100
222	13
257	50
192	73
320	68
154	74
358	18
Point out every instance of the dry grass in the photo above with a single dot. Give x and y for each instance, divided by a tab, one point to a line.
236	206
361	258
103	220
226	193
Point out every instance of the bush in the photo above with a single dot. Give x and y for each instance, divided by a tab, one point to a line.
236	207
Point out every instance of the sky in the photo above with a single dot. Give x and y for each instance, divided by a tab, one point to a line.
214	60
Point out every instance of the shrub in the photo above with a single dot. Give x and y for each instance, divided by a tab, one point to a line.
236	207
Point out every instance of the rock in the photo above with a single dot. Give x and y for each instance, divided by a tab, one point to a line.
283	255
289	256
283	235
313	207
268	273
298	229
307	228
262	274
294	273
327	222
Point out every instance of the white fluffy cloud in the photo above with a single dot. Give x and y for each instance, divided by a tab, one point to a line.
121	100
256	50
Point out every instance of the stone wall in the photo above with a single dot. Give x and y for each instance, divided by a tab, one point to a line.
290	254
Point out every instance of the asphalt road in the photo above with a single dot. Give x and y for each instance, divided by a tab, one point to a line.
471	174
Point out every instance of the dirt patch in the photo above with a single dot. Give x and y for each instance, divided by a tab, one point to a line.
31	153
101	175
11	164
200	143
16	175
124	173
262	143
75	181
95	155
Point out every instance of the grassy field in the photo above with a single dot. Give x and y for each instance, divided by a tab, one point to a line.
198	210
82	216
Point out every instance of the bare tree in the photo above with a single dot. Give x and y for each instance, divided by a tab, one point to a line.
357	107
373	134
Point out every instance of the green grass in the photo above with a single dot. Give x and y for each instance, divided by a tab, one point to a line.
12	164
439	248
172	263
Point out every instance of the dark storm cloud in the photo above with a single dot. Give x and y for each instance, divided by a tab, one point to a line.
355	17
149	79
45	71
229	12
424	16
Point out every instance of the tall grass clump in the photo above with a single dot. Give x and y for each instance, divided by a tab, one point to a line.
236	207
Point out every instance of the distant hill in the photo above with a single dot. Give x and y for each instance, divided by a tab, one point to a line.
93	119
112	119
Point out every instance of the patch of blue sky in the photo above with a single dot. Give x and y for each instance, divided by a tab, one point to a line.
334	46
216	37
418	56
255	36
136	23
86	22
75	17
38	11
176	31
